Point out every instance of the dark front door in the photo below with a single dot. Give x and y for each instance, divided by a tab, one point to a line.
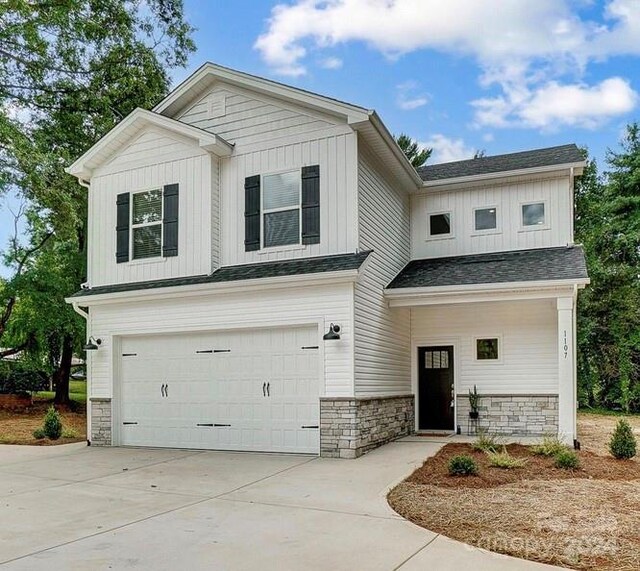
435	388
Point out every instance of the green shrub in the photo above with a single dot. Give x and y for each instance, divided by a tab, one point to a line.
462	465
39	434
623	443
550	446
505	460
567	460
52	426
69	433
485	442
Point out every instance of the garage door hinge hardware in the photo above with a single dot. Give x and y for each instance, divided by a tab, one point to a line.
311	347
222	350
310	426
129	354
221	425
205	424
129	423
205	351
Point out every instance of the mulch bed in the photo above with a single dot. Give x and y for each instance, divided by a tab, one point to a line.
16	427
583	519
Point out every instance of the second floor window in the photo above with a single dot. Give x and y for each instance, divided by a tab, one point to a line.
146	224
281	209
533	214
440	224
485	219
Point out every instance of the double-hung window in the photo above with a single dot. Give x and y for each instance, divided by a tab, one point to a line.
281	201
146	224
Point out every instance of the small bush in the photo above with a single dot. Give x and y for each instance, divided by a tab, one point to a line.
52	426
39	434
505	460
623	443
69	433
567	460
550	446
485	442
462	465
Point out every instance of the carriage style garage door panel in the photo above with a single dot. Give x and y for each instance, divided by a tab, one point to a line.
252	390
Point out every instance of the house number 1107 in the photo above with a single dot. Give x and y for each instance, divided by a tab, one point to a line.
565	346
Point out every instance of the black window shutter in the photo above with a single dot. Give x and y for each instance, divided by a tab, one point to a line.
122	228
252	213
170	220
311	204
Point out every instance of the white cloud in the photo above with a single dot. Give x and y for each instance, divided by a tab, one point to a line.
446	150
552	105
488	137
331	63
409	97
526	49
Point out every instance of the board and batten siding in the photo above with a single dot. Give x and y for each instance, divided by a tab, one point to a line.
336	155
509	235
382	334
245	118
527	331
153	160
215	312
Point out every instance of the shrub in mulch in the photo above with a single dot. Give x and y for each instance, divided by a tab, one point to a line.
623	443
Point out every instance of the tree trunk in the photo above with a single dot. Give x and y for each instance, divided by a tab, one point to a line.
61	375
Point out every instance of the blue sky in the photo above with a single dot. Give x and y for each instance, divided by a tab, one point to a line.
459	76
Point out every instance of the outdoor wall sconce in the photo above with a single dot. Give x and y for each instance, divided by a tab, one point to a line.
93	344
333	333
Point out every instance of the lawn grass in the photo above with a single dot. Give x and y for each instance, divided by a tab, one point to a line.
77	392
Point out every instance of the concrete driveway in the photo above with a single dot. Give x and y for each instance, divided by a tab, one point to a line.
74	507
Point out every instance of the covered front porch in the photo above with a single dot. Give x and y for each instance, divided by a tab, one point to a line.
511	341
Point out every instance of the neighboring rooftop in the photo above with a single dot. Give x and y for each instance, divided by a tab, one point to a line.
562	263
300	266
562	155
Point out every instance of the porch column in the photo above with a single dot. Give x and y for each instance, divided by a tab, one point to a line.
566	370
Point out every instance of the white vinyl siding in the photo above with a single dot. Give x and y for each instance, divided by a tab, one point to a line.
319	305
382	358
527	332
146	168
336	156
250	118
509	234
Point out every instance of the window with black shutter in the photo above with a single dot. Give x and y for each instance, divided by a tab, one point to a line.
311	204
252	213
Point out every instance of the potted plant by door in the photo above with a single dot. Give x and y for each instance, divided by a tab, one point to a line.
474	400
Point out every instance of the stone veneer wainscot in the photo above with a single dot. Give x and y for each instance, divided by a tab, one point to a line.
100	422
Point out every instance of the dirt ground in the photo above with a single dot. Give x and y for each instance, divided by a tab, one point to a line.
586	519
16	427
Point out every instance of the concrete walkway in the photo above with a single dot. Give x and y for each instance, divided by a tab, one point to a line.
77	508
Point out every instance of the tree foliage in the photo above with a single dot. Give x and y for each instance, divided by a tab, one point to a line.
608	224
417	156
69	71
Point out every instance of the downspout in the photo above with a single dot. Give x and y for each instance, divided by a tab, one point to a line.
81	312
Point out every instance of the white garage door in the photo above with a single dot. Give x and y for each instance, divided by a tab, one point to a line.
254	390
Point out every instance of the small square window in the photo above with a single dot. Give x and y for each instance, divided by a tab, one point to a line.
487	349
533	214
440	224
485	219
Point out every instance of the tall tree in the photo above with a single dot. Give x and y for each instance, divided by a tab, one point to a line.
69	71
608	223
417	156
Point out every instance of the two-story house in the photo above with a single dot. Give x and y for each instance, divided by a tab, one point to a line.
268	272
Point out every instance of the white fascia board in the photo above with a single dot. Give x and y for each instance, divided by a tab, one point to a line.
238	286
487	292
208	141
436	184
273	88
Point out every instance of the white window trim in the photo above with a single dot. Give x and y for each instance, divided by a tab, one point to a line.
448	236
499	360
488	231
150	259
534	227
268	249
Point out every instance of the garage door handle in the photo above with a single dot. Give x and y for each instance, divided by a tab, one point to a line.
264	389
221	425
129	423
310	426
205	424
268	393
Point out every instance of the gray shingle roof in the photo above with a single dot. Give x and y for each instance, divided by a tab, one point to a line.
563	263
300	266
563	154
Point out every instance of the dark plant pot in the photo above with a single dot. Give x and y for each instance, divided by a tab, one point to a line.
473	414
